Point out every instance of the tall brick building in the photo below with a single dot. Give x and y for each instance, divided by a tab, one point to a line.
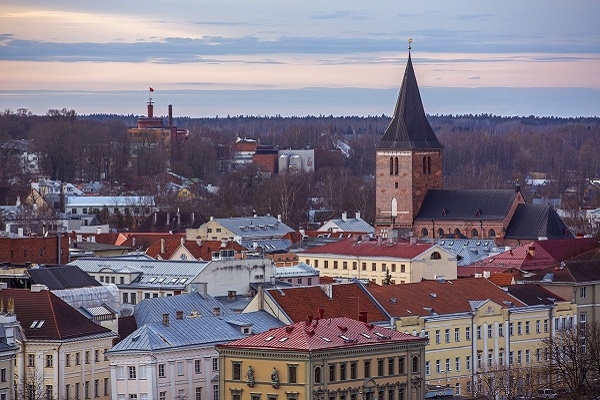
410	195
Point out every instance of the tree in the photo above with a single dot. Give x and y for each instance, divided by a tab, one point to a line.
509	382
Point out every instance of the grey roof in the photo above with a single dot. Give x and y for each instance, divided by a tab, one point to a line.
255	227
152	310
468	251
532	221
473	204
61	277
194	332
352	225
268	245
409	128
109	201
166	274
301	269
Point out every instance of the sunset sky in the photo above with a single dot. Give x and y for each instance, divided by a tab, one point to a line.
267	57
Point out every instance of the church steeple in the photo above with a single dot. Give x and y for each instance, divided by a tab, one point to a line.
409	128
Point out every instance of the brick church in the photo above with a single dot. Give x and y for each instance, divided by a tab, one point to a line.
410	195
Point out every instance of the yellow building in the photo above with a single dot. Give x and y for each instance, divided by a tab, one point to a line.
379	260
474	326
328	359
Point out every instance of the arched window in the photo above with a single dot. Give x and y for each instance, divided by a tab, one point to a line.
457	231
317	374
424	232
428	165
415	364
424	165
391	165
436	255
440	233
474	233
396	165
491	233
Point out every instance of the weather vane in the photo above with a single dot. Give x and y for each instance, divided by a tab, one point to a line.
409	42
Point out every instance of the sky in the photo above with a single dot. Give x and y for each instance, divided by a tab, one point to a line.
295	58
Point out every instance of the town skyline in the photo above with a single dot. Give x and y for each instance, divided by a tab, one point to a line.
266	58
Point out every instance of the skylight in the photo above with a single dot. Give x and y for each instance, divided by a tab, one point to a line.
37	324
283	339
325	339
151	280
365	335
269	338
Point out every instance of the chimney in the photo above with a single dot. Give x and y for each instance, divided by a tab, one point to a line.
166	319
321	313
155	217
170	115
531	251
179	315
38	288
163	245
279	217
216	311
344	216
133	241
231	295
182	240
192	220
309	319
358	215
362	316
168	218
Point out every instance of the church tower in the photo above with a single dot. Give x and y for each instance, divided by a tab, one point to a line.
408	159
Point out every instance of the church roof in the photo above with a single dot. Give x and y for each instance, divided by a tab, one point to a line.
409	128
471	205
532	221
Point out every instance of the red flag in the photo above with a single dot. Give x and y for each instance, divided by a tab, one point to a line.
151	89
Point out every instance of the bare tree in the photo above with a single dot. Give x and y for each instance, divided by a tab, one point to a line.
509	382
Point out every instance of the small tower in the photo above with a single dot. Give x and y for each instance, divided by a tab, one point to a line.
408	159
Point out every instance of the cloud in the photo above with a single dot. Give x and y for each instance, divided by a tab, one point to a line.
475	77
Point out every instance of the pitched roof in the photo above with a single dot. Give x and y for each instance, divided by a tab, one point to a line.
372	248
570	271
255	226
346	301
409	128
533	294
502	279
344	224
200	251
531	221
60	277
143	240
323	334
470	205
44	316
194	332
428	298
152	310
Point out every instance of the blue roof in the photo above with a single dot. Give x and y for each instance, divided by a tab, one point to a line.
194	332
152	310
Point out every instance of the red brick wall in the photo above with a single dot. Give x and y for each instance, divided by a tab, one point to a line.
266	162
37	250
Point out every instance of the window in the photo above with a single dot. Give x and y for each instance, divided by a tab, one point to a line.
131	372
67	391
490	359
447	365
331	372
105	387
393	267
31	360
447	335
364	266
489	329
583	292
527	327
402	268
437	336
511	357
468	333
342	371
77	358
317	375
96	356
198	393
438	367
345	265
142	372
49	361
292	374
236	371
49	392
415	364
354	265
215	392
510	329
400	365
120	372
457	334
582	322
380	371
77	390
162	396
500	358
96	388
3	375
436	255
519	356
86	389
527	356
161	370
391	365
353	370
326	264
215	364
427	368
179	368
457	364
479	332
500	330
335	264
87	357
479	360
197	366
546	325
373	267
367	366
519	328
67	360
468	363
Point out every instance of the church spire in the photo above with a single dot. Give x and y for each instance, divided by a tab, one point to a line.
409	128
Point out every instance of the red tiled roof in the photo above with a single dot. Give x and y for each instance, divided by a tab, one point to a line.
200	252
346	301
145	240
442	297
502	279
371	248
323	334
61	321
563	249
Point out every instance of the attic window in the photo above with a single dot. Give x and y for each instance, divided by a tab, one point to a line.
283	339
37	324
183	280
344	337
365	335
325	339
444	212
151	280
269	338
174	280
478	212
